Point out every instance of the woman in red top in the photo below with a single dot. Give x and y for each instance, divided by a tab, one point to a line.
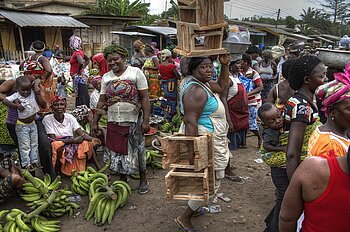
169	75
77	65
100	60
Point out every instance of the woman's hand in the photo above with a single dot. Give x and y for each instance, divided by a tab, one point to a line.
96	141
145	126
19	105
224	59
230	126
78	140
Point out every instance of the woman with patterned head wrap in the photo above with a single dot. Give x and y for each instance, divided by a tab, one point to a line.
331	139
124	91
169	75
68	152
150	69
78	63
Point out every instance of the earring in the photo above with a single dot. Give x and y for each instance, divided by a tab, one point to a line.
332	118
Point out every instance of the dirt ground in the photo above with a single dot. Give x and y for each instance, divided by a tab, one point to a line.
251	202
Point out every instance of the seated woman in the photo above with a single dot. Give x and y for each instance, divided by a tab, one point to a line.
331	139
71	151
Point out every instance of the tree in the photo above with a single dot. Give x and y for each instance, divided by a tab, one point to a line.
290	22
172	12
120	8
340	9
314	20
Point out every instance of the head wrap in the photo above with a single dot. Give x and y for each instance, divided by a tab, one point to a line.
114	48
75	42
96	81
194	63
57	99
81	112
278	51
38	46
301	68
138	43
335	91
235	57
164	54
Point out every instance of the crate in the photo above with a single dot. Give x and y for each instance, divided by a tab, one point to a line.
201	12
185	184
202	19
175	149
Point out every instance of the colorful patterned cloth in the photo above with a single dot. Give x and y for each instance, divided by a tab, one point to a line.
122	91
81	112
335	91
152	77
75	42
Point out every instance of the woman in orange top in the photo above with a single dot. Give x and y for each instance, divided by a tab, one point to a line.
331	139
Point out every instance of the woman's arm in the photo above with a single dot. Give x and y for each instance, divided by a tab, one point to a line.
293	204
274	67
7	86
176	73
100	106
258	89
146	108
80	63
76	140
272	95
223	97
223	80
194	101
295	144
40	99
47	67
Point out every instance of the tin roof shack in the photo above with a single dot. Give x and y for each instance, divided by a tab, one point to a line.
25	3
60	7
127	38
163	35
98	35
19	28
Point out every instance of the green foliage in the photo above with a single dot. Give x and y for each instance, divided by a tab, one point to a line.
172	12
290	22
120	8
339	10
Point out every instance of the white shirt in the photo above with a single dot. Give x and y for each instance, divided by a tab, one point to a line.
29	103
124	111
66	128
95	95
232	91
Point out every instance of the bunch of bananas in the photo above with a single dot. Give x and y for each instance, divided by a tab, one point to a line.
33	193
36	197
174	124
17	220
81	182
151	159
105	199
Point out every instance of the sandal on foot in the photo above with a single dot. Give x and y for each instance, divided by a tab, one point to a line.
144	189
234	178
200	212
182	228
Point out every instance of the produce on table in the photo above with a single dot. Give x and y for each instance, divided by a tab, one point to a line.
37	191
105	199
81	182
17	220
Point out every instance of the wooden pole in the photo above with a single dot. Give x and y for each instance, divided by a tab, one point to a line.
21	40
160	42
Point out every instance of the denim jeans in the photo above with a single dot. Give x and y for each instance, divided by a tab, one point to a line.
281	182
27	143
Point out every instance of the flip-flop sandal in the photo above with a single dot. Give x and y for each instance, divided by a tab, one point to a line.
144	189
200	212
234	178
182	228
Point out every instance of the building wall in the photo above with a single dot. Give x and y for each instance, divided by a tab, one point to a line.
23	3
61	9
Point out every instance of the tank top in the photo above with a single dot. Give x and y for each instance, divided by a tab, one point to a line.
266	73
331	210
210	107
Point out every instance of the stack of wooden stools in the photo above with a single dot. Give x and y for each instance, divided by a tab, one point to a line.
200	27
185	181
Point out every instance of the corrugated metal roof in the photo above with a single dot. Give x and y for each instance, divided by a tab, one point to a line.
131	33
167	31
31	19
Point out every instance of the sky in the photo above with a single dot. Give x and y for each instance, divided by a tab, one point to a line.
247	8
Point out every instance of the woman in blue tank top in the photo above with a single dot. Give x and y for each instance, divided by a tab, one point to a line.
204	113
